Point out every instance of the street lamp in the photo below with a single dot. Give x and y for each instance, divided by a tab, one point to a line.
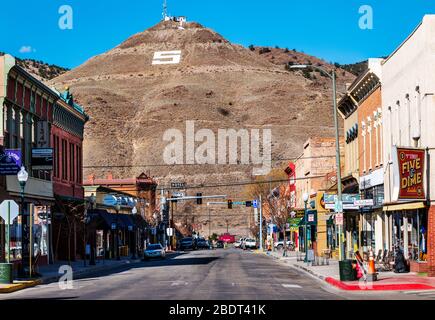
117	208
337	145
134	212
23	176
305	197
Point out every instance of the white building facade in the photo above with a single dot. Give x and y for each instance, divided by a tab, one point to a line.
408	108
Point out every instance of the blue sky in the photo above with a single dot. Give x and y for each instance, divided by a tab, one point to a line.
327	29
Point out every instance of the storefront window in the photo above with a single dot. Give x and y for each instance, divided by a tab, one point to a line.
410	233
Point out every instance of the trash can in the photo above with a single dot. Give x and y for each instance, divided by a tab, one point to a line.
347	273
6	273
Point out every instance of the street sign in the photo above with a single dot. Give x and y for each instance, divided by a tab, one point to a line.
169	232
178	194
8	211
42	158
255	203
10	162
363	203
113	226
239	203
178	185
339	219
12	207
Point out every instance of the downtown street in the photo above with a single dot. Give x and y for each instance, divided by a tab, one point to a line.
221	274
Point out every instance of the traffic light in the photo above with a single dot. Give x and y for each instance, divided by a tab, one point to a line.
199	200
248	203
230	204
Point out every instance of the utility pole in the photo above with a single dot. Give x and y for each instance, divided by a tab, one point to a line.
261	224
338	163
209	223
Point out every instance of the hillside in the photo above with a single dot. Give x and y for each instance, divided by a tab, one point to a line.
217	84
39	69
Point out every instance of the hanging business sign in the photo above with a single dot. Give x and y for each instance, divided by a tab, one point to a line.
10	162
409	166
42	134
42	158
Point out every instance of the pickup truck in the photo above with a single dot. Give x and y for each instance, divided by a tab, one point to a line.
249	244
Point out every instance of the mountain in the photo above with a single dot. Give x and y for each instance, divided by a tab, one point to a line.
217	84
39	69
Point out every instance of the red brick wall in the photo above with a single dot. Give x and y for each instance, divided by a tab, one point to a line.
431	241
60	186
372	103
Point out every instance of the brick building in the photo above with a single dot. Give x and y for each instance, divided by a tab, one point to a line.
32	114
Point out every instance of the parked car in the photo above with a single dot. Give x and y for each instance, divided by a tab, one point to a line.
250	244
280	245
202	244
187	244
154	251
220	244
238	243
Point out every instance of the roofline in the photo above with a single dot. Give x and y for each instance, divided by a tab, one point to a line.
403	43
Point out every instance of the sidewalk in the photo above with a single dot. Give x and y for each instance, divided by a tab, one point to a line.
386	280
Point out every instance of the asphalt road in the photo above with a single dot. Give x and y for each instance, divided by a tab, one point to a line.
203	275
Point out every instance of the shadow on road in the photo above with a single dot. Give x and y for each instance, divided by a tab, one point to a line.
169	261
180	262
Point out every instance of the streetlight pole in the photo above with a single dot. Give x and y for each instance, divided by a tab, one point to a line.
134	212
332	75
117	208
23	176
305	198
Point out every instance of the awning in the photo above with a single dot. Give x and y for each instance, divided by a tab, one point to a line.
404	206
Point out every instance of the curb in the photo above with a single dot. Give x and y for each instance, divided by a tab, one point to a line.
364	286
19	286
378	287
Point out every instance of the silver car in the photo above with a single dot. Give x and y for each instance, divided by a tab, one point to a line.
154	251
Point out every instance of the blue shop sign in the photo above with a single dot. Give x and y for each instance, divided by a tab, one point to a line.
10	162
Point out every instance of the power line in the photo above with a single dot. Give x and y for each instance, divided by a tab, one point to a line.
217	185
198	164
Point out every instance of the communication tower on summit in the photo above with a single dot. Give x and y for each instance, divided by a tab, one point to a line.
165	10
166	17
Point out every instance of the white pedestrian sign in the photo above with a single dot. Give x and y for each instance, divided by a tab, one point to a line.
8	211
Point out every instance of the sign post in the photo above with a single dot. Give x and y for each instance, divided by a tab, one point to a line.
8	212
